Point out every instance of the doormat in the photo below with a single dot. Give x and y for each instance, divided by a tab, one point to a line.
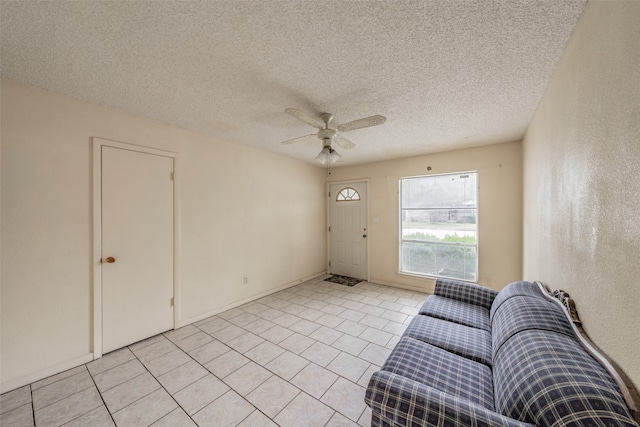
343	280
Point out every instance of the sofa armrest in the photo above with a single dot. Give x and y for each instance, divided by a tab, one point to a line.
410	403
465	292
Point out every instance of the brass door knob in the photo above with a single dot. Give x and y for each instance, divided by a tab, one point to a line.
111	260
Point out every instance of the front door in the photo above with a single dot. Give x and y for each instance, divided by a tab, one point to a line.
348	229
137	223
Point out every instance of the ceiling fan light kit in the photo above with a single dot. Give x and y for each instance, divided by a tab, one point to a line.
328	134
328	155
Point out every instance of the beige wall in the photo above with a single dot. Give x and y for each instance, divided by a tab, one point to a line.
242	211
582	185
499	210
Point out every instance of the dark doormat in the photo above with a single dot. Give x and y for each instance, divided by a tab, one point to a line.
343	280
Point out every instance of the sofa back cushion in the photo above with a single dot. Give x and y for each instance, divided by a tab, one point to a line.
547	379
514	289
521	313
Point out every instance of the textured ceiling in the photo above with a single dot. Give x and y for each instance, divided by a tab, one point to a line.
447	74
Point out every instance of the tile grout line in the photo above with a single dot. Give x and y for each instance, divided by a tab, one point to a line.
161	387
139	375
33	407
56	401
53	403
101	398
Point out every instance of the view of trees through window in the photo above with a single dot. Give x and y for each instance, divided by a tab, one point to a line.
439	217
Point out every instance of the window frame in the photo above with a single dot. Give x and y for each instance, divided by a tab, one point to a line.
400	227
351	198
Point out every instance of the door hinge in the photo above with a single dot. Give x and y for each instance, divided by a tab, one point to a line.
172	176
329	263
171	302
329	228
329	195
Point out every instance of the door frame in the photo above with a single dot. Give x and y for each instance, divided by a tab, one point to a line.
98	143
329	200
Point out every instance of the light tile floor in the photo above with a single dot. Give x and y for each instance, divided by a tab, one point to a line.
298	357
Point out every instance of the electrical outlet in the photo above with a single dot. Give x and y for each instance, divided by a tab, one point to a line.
487	281
245	280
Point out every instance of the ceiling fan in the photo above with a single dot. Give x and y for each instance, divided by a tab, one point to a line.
328	134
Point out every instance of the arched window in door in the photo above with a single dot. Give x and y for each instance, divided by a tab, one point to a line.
348	194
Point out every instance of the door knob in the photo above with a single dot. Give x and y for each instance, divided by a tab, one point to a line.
111	260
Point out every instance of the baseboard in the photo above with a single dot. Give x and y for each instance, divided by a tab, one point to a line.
44	373
184	322
425	290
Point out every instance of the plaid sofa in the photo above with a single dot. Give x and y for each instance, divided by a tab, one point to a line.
477	357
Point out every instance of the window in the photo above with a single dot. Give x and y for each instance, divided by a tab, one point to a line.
347	194
439	225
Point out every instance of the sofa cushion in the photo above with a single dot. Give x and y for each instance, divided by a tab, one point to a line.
521	313
444	371
465	341
515	289
547	379
460	312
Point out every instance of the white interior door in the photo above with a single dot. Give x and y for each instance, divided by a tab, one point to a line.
348	232
137	246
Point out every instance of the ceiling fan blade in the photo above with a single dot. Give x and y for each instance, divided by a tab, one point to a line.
302	116
300	138
343	142
362	123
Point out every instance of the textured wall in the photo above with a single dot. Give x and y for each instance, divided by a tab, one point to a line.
582	179
499	210
242	211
